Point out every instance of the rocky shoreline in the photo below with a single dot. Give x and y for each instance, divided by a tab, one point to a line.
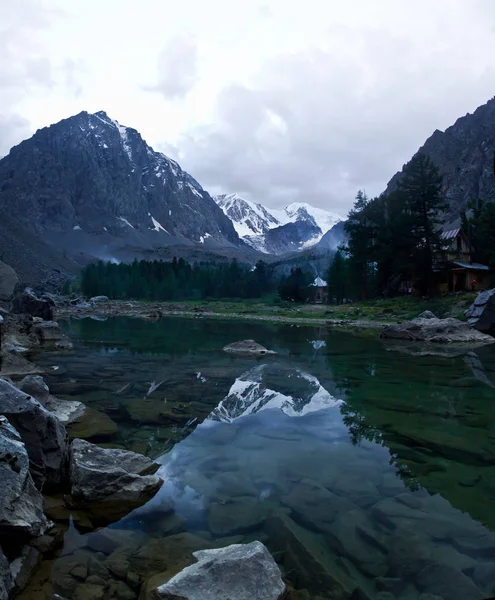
48	481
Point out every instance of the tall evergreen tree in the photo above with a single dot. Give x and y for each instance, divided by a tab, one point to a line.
337	278
420	193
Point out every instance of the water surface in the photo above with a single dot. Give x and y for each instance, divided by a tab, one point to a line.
360	466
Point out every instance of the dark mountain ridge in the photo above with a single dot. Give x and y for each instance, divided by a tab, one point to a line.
465	154
90	187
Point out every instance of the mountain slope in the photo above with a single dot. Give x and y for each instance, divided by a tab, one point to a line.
297	226
90	185
465	154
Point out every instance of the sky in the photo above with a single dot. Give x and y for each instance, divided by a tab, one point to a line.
278	100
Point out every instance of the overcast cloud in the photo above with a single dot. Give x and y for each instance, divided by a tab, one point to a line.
278	100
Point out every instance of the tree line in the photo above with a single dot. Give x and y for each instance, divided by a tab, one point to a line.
180	280
400	233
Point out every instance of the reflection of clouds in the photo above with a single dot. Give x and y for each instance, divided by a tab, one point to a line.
252	393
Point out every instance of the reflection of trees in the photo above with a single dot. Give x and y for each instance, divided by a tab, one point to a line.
434	414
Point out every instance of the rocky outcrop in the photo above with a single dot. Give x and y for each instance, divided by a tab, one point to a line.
441	331
240	571
481	314
66	411
464	153
8	282
90	186
5	577
107	482
21	504
247	348
50	334
27	302
42	433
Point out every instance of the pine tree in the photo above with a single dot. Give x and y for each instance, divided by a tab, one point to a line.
420	192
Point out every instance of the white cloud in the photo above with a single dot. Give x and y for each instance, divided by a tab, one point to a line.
274	99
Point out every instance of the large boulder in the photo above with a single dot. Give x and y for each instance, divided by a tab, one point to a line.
50	334
42	433
108	483
66	411
435	331
240	571
247	348
481	314
27	302
8	281
21	504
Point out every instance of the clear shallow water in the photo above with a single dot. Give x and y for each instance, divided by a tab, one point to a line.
358	465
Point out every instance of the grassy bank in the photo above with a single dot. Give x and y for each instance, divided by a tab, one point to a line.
372	312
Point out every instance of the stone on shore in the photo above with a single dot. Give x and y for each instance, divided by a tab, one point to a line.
240	571
481	314
99	299
247	348
66	411
42	433
8	282
427	314
433	330
21	504
27	302
50	334
108	483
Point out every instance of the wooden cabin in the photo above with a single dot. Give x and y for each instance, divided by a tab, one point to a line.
319	291
454	269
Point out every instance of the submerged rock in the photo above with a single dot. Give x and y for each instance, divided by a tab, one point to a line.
66	411
481	314
240	571
42	433
247	347
435	331
108	482
21	504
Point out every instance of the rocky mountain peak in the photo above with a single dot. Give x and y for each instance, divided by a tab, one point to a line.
465	154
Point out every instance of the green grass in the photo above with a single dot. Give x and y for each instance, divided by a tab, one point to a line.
390	309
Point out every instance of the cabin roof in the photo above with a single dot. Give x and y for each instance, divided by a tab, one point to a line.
319	282
450	234
471	266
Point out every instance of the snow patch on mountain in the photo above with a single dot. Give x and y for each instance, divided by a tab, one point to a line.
252	221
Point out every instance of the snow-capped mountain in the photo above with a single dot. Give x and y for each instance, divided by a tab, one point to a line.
247	217
293	391
273	231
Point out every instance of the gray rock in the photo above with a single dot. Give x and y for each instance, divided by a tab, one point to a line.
484	574
85	305
21	504
66	411
6	584
27	302
439	331
247	347
50	334
427	314
108	482
481	314
99	299
42	433
23	565
8	281
240	571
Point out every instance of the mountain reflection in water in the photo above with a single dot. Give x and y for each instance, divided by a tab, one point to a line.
359	467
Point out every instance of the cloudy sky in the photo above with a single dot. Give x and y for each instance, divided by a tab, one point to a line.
279	100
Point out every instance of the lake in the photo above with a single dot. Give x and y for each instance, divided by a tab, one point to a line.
367	470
